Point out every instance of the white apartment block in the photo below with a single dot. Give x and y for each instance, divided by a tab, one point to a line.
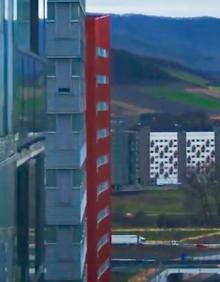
164	157
173	155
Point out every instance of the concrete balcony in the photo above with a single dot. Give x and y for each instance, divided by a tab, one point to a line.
71	268
65	207
71	103
64	46
66	152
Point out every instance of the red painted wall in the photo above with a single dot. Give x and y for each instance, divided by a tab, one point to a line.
97	35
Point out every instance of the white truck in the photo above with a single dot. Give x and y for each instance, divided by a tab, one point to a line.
127	240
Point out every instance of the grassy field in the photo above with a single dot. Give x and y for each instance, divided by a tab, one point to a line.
126	108
181	95
215	89
187	76
151	202
121	276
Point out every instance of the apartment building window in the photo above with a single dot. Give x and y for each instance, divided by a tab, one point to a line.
102	187
103	268
102	241
102	214
102	106
51	68
102	133
75	11
51	123
76	67
78	176
50	233
78	122
102	79
77	233
101	52
102	160
51	178
51	11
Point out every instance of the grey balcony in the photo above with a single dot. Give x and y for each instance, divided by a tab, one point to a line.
65	152
66	103
65	206
69	267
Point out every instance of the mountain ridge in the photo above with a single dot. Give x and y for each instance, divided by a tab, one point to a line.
192	42
128	68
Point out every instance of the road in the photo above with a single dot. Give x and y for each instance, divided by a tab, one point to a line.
161	252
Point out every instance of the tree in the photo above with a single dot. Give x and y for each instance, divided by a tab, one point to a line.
199	189
214	190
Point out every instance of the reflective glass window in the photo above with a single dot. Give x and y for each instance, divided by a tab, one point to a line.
102	133
101	52
102	160
51	11
77	177
23	27
77	122
77	233
102	106
51	123
76	67
51	178
102	79
50	234
51	67
75	11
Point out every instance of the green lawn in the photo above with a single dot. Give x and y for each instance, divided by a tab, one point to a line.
121	276
187	77
151	202
181	95
215	88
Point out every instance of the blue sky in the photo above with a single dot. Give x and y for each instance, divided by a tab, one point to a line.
173	8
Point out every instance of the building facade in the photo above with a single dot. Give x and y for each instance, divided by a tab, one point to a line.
98	147
163	158
65	231
22	109
174	156
125	154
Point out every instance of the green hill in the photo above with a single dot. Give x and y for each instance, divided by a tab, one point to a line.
131	69
191	42
161	85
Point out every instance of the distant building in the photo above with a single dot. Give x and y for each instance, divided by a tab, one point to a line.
163	158
22	146
66	191
98	61
174	155
125	165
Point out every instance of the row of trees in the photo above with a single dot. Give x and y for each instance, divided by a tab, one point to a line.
203	197
141	219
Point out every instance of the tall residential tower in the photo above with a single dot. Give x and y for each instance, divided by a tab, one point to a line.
98	97
66	239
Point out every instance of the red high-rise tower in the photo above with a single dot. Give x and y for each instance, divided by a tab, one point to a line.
98	147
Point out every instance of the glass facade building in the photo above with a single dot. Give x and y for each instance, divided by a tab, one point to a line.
22	109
